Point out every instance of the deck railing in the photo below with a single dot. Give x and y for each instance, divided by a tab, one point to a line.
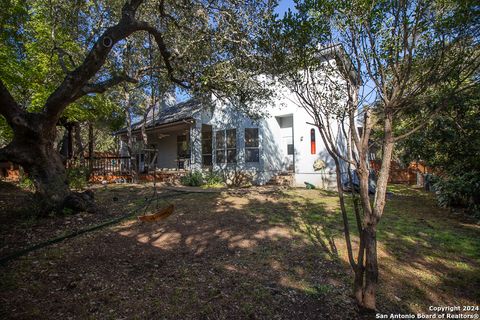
103	165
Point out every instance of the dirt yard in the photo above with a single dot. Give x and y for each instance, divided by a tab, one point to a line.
261	253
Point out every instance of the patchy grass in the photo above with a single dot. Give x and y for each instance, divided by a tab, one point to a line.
258	253
427	255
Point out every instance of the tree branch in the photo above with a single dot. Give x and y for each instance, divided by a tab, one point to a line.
101	87
75	80
422	124
9	108
164	52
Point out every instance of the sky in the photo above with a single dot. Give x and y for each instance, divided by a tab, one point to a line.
283	6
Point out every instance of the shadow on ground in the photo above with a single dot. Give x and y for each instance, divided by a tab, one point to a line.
219	256
260	254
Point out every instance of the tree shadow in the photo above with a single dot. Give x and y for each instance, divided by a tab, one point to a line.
426	256
218	256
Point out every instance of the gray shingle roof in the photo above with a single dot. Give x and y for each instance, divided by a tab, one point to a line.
180	111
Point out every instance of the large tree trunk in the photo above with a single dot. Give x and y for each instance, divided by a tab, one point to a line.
33	149
34	132
49	177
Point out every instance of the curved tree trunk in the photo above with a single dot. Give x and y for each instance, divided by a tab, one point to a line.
33	149
49	177
34	132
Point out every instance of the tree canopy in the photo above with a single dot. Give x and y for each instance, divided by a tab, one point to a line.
59	55
401	63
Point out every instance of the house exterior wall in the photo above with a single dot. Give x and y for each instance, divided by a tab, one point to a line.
286	122
167	155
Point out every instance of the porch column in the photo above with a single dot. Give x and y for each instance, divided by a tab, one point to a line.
196	146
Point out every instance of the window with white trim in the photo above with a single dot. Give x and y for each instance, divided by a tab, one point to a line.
207	148
252	145
226	146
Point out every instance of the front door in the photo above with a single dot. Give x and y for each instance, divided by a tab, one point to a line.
288	149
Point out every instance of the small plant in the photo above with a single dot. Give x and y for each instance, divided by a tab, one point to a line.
77	178
193	179
67	211
213	180
237	177
26	183
318	291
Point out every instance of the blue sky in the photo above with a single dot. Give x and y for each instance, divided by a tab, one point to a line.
283	6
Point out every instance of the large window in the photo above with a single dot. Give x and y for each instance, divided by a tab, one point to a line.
207	148
252	144
226	146
231	146
220	143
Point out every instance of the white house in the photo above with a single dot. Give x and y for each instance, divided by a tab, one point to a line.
193	136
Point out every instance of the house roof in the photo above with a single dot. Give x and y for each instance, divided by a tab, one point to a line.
180	111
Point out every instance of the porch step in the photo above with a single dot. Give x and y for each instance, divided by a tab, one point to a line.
281	179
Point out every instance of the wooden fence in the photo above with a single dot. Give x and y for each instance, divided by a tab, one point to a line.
404	174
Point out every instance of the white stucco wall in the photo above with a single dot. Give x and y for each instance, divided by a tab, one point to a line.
167	155
273	146
274	135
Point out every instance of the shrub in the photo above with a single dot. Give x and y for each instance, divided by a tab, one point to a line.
77	177
238	178
459	191
193	179
213	180
26	183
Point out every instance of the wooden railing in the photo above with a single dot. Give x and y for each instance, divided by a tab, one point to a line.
103	165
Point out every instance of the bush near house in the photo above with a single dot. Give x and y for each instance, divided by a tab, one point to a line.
460	191
193	179
198	178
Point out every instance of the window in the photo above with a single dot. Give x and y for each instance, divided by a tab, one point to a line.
220	143
207	148
290	149
231	145
226	146
313	147
252	152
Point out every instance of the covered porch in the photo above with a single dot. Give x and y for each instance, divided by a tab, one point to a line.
171	150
